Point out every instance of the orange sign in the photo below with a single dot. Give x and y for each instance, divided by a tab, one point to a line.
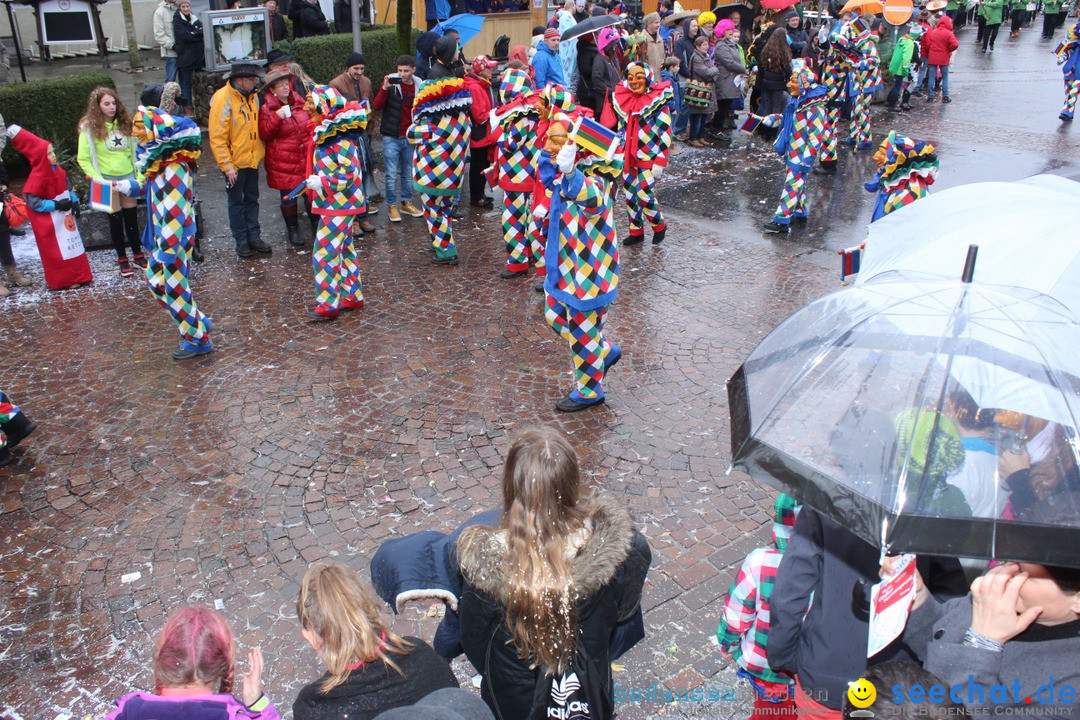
898	12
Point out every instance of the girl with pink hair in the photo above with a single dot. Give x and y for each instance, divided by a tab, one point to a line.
193	674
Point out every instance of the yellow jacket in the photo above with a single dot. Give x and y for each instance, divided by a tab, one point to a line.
234	129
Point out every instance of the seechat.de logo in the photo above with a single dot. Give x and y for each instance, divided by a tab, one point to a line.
862	694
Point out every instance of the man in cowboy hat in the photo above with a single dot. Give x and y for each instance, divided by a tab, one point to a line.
233	124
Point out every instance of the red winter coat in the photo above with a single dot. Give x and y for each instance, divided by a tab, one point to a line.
285	140
480	89
939	44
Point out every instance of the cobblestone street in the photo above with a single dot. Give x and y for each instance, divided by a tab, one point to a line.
151	483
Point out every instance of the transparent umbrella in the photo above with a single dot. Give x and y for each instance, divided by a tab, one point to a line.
927	416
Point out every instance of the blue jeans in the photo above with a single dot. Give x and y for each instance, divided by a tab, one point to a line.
243	198
185	85
170	69
398	164
697	125
932	77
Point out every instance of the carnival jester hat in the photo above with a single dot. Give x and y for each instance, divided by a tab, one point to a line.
558	98
515	85
340	117
444	96
899	158
163	139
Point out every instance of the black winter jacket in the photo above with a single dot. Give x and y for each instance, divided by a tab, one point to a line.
684	48
312	20
827	647
609	572
189	42
376	686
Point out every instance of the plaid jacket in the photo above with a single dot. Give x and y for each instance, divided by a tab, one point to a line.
516	151
440	131
647	133
867	75
338	165
170	207
744	626
807	133
581	256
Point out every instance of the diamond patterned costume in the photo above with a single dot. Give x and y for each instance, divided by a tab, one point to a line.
515	162
582	264
802	129
1069	56
644	121
168	149
865	80
836	72
906	170
337	162
440	131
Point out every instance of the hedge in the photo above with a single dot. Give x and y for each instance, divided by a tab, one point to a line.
50	109
323	57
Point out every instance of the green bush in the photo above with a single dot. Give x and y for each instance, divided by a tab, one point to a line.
323	57
50	109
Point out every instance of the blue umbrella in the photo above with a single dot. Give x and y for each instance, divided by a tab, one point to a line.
466	24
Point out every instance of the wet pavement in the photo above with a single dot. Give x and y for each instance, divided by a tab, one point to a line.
151	483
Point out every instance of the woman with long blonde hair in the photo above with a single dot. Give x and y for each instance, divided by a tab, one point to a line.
107	154
368	667
544	590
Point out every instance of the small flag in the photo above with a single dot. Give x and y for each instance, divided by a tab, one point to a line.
103	197
295	192
594	137
752	123
860	26
850	260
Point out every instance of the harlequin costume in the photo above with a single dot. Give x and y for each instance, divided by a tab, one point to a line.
440	131
836	72
865	79
337	197
801	132
14	428
906	170
46	191
746	619
582	267
1069	56
553	99
168	149
515	164
644	121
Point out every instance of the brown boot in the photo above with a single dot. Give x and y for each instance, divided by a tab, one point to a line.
15	276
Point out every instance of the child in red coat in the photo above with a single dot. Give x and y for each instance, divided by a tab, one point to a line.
938	46
50	202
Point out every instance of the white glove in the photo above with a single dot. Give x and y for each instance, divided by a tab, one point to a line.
540	212
657	172
314	182
565	158
125	187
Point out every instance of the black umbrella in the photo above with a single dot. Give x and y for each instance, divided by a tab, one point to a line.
591	25
722	11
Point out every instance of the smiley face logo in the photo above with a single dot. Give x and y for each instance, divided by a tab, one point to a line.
862	693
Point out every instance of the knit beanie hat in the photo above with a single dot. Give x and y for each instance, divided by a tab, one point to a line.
354	58
551	34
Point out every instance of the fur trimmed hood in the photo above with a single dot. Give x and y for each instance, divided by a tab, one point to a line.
601	554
